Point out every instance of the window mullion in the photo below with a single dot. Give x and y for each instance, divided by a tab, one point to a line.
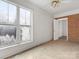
25	17
18	26
8	14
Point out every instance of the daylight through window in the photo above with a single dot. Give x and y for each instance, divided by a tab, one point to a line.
11	25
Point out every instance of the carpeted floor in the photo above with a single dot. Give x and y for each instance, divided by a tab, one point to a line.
52	50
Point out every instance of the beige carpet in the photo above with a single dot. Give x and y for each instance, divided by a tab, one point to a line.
52	50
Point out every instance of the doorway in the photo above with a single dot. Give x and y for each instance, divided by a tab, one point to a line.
61	29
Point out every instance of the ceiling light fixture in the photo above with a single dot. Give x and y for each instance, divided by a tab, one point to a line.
55	3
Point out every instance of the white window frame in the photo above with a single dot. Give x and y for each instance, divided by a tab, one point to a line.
30	26
18	23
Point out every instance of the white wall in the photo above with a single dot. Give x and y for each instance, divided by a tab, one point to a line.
42	31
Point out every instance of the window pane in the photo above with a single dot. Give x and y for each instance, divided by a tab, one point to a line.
28	15
12	13
7	35
24	17
25	33
3	12
7	13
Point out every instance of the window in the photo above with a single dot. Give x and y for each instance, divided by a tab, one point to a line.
24	17
13	29
25	33
25	24
7	13
3	15
12	14
7	34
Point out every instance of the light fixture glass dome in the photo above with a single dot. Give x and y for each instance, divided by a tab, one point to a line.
55	3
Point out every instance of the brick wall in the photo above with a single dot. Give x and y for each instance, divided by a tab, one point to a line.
73	27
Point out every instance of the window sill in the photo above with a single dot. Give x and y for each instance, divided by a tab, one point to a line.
6	47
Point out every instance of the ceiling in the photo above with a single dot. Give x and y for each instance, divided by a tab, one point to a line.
46	5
